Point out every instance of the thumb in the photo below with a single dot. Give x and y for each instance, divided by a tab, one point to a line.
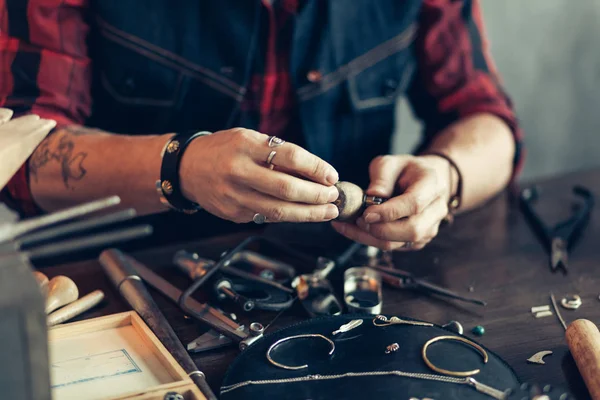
384	172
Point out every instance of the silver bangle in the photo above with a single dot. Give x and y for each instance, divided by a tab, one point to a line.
294	368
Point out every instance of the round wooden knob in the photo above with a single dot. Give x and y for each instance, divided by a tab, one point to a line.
583	339
350	200
61	291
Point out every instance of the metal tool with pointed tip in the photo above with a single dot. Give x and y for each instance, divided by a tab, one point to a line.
210	340
559	238
405	280
61	291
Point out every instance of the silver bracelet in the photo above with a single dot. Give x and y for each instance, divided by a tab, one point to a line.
309	335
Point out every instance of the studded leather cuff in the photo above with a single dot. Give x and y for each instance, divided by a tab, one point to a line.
168	186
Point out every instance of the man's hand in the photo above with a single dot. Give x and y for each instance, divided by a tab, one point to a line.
419	189
226	173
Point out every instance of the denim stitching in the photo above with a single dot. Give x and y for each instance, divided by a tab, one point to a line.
359	64
167	54
382	100
173	65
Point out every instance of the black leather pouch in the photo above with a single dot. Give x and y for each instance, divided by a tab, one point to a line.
361	350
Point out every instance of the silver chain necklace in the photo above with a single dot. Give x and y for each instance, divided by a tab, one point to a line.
480	387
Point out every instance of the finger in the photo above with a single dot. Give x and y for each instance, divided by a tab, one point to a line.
416	198
286	187
417	228
384	172
5	115
356	234
294	158
276	210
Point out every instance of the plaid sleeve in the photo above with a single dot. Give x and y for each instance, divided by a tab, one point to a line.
457	77
44	69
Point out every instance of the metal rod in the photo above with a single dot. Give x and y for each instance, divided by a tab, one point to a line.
12	231
125	278
434	289
99	240
560	318
75	227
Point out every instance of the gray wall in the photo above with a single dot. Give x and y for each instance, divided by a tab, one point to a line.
548	54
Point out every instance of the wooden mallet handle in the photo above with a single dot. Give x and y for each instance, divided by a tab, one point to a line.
583	338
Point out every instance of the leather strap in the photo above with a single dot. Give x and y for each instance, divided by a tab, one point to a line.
455	199
169	187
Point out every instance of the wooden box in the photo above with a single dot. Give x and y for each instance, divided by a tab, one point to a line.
113	357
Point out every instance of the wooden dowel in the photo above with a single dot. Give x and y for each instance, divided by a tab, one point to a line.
75	308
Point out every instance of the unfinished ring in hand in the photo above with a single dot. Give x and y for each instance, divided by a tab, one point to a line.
308	335
407	245
463	374
274	141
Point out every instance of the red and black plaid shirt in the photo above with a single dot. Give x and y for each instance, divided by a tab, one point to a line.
46	39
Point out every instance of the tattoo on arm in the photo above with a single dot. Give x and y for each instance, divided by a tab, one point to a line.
60	148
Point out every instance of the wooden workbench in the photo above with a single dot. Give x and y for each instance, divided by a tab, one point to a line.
492	250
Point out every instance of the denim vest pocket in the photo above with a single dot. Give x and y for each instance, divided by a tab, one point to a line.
134	90
383	74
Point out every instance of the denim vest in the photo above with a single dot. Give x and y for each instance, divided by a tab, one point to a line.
172	65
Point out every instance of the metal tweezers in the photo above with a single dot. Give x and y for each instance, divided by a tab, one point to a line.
563	235
405	280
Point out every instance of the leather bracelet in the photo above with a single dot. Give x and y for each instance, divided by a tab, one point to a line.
168	186
455	199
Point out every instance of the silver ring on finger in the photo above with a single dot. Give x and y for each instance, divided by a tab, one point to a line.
407	245
274	141
270	159
259	219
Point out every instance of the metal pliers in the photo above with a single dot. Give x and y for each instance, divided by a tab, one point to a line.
563	235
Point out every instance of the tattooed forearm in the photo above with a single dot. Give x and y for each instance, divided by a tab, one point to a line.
59	148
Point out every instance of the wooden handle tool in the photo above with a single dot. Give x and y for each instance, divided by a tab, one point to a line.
61	291
123	275
583	338
75	308
42	280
